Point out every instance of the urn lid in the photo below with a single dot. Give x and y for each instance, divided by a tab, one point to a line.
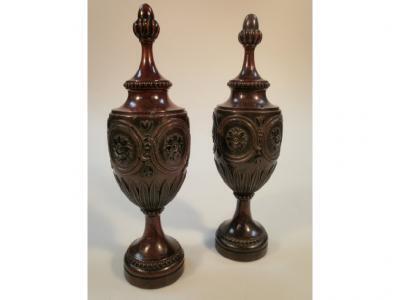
146	29
248	88
147	89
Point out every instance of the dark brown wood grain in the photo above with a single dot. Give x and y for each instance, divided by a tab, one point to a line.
247	135
149	146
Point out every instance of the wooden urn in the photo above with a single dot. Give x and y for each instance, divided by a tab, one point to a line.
247	135
149	145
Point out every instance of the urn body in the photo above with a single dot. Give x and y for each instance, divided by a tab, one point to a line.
246	146
247	136
149	147
149	155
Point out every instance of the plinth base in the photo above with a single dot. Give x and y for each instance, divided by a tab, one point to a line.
151	264
154	282
232	242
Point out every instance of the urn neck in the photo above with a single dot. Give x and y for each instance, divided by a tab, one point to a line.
250	99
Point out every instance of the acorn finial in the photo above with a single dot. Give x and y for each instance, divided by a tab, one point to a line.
250	35
146	28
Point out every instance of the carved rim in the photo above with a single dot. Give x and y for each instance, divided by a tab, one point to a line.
125	128
243	123
275	122
168	128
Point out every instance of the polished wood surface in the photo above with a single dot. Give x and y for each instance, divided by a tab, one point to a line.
149	146
247	135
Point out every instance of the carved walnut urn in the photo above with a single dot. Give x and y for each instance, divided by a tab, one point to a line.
247	136
149	144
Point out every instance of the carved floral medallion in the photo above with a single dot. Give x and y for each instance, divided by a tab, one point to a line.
122	149
174	147
236	139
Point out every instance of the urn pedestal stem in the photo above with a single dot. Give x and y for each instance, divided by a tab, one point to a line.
242	238
243	210
153	227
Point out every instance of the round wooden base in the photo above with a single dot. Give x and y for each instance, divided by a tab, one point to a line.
241	239
146	282
152	263
241	254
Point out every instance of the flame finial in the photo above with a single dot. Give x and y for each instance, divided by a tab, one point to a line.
146	28
250	35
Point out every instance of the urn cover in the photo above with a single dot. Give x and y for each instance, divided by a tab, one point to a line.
149	145
247	135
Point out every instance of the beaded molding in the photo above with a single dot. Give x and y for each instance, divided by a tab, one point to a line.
143	85
260	84
239	242
154	266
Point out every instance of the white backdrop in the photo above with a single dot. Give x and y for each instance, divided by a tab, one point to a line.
198	51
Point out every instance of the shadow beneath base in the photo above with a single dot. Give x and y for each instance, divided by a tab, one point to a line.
209	240
117	262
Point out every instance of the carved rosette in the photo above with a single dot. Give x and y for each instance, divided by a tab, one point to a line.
149	155
246	147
